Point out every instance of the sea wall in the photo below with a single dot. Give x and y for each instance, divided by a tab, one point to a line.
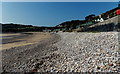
112	24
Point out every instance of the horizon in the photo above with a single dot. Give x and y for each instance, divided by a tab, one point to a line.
51	13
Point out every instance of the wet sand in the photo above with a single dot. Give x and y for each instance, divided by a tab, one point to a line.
22	39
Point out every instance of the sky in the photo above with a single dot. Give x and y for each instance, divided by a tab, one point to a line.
50	13
60	0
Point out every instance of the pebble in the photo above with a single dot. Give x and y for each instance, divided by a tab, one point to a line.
79	52
94	49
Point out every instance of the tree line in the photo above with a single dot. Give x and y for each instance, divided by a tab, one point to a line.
21	28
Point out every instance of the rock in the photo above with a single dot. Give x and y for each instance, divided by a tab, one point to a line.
34	70
110	64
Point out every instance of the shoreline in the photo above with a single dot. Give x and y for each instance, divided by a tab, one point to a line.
22	39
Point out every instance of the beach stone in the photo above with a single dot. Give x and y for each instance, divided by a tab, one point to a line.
91	48
74	52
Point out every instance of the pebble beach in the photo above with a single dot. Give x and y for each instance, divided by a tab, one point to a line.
66	52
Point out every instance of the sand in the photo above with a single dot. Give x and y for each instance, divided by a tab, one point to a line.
35	37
